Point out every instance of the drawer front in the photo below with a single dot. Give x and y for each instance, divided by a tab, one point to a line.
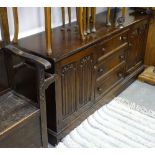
110	80
110	62
104	47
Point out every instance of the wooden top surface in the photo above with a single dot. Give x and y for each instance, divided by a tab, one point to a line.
65	43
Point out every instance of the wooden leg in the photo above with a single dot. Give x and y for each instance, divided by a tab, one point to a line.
63	18
88	19
4	25
108	23
84	21
81	23
77	17
69	17
16	24
47	11
94	19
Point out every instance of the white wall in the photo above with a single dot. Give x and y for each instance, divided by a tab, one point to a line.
31	19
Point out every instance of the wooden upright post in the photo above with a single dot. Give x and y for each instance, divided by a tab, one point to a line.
47	11
4	25
63	18
80	11
16	24
94	19
88	19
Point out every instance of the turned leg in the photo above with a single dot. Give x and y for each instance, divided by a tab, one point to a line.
84	21
69	17
108	23
16	25
81	23
88	19
47	11
94	19
63	18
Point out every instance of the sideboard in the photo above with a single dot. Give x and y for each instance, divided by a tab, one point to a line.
91	72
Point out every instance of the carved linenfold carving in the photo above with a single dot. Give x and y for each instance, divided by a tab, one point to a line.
85	73
68	89
66	68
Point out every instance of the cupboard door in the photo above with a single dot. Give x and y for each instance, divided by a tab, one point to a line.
133	48
142	36
85	81
68	89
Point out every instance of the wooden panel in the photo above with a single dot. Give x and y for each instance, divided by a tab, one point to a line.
150	47
137	44
133	48
68	80
85	81
142	35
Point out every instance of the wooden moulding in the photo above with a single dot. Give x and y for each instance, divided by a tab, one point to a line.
47	11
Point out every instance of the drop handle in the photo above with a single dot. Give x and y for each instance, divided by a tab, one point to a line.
100	70
124	38
120	75
122	57
99	89
103	49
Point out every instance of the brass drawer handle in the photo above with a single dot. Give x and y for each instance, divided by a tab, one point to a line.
122	57
100	70
120	75
123	38
103	49
99	89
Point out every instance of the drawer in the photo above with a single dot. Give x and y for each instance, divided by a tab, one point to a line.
110	62
110	80
106	46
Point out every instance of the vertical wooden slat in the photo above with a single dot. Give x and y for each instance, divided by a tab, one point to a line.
77	16
88	19
63	17
84	21
94	19
69	15
4	25
47	11
16	24
81	23
108	23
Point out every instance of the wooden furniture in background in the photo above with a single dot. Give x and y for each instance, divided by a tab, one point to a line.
90	72
23	121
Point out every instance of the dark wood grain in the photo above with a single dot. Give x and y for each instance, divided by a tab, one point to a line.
68	43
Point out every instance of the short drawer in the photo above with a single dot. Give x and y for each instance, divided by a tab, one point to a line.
110	80
110	62
106	46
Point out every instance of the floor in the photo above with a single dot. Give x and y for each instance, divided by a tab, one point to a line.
141	93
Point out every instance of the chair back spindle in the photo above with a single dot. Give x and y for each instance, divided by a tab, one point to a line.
47	11
16	24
